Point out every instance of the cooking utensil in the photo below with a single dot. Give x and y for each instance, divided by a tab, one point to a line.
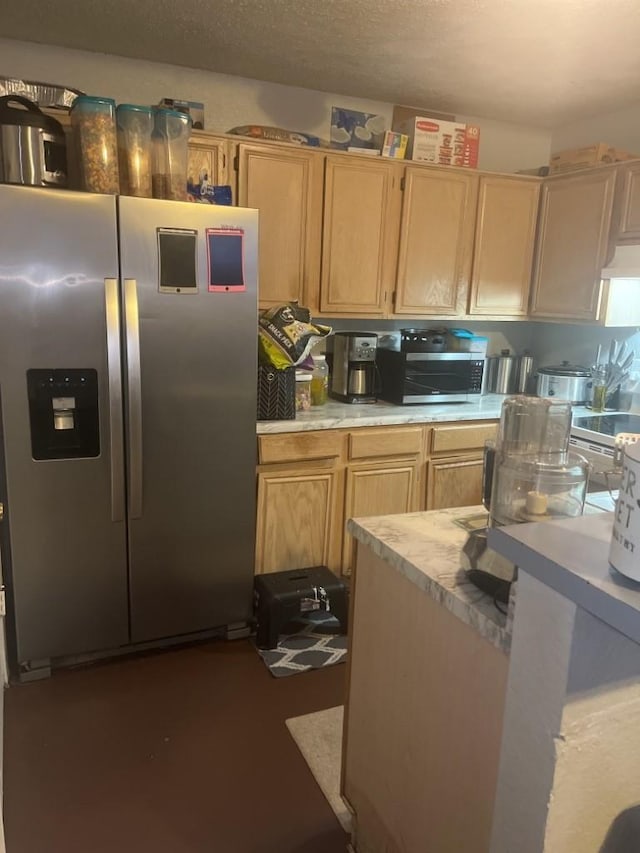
621	353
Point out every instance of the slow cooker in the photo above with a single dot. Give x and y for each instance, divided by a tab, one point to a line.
564	381
32	145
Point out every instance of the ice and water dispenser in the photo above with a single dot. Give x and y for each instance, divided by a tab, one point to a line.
63	413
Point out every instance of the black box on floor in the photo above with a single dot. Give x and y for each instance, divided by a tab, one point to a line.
281	596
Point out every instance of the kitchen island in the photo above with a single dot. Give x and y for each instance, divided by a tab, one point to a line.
428	670
471	729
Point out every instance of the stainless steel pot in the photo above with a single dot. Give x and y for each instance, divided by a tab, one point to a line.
565	382
32	145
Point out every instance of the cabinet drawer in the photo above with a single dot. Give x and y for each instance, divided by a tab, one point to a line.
294	446
461	437
385	442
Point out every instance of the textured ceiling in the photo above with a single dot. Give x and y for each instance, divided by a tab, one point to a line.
539	62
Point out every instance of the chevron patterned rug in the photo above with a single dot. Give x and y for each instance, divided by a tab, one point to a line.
312	641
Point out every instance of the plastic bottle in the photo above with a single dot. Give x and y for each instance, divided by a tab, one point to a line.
319	381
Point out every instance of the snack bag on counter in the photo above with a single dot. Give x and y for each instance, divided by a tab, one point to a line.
286	335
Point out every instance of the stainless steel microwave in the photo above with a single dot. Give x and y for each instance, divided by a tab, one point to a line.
429	377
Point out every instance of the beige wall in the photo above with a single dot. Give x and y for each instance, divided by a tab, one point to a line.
620	128
231	101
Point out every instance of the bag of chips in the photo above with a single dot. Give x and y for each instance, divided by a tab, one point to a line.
286	335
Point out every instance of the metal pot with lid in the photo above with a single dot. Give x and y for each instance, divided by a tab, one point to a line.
32	145
564	381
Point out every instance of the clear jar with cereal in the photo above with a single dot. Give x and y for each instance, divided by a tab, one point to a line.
134	149
94	126
170	150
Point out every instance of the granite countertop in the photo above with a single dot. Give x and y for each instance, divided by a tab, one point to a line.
334	415
426	547
571	557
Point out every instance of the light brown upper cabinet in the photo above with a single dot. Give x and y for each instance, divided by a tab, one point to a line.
436	242
504	241
630	204
360	235
573	244
285	185
208	158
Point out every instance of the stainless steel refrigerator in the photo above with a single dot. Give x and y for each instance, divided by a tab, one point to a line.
127	418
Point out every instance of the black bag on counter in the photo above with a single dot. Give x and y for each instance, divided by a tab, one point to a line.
276	394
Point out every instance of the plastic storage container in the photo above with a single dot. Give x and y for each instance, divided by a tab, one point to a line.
135	125
94	126
303	391
170	149
319	381
531	488
534	425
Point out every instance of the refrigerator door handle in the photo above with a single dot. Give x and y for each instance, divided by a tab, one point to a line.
114	366
132	339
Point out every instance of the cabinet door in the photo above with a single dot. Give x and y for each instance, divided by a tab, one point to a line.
454	482
378	490
207	162
436	242
285	185
630	204
296	520
505	237
360	235
573	243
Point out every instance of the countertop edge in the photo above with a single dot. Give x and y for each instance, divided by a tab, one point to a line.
490	631
587	593
350	417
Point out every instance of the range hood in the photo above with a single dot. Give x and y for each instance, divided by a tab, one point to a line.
624	264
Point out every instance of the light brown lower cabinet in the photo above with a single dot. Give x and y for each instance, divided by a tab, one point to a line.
380	489
297	519
454	482
310	483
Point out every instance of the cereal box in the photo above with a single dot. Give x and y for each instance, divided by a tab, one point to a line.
395	145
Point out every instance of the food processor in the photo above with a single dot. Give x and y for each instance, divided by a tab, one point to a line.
529	475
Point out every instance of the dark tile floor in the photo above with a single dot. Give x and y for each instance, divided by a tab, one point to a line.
183	751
